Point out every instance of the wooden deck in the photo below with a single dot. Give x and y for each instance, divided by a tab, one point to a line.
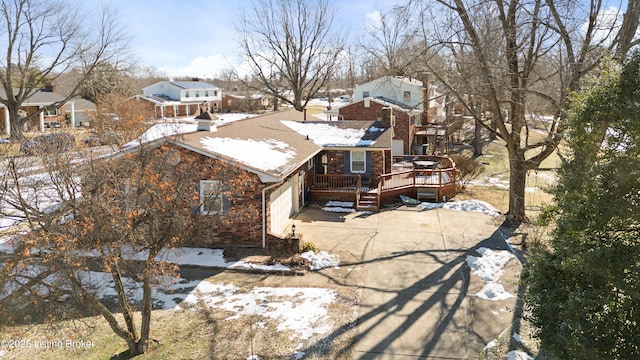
424	184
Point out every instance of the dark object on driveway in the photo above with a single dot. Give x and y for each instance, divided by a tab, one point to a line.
48	143
408	201
102	138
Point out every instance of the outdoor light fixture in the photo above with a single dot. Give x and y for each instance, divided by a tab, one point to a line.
293	230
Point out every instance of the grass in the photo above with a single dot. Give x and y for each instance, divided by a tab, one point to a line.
204	333
195	333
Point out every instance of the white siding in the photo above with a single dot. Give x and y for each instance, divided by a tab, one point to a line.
392	88
281	207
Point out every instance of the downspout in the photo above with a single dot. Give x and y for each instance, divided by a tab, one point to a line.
264	213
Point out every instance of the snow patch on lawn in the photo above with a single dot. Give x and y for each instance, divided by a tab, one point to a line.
463	205
519	355
301	310
489	267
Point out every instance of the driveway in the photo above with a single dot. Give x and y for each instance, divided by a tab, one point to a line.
418	294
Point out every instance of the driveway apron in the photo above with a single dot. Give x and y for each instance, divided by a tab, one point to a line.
418	294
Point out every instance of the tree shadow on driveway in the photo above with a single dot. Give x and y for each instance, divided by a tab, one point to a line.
432	316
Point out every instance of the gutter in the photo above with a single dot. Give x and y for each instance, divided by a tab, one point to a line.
264	212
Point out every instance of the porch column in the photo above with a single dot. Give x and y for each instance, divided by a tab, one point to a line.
188	108
73	114
162	112
7	122
41	121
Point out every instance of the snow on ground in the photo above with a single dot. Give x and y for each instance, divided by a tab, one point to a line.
463	205
491	344
489	266
338	209
346	204
265	155
518	355
320	260
301	310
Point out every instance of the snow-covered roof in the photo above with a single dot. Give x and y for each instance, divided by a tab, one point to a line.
342	133
276	144
262	145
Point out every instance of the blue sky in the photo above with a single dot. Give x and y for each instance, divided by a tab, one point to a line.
196	37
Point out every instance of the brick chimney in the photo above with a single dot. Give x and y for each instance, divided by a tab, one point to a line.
426	90
387	115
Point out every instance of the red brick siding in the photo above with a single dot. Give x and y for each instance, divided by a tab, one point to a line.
404	129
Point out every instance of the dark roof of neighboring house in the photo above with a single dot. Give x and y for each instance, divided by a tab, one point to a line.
38	97
193	84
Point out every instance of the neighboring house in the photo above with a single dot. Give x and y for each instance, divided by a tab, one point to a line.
285	160
172	99
83	111
416	131
243	103
55	117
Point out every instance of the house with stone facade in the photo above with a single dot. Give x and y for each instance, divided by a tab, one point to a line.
285	160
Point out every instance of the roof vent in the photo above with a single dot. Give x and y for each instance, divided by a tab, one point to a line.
205	121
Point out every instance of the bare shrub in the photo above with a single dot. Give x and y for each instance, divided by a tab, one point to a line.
468	170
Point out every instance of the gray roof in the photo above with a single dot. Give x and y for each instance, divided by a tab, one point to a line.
38	97
80	104
193	85
271	135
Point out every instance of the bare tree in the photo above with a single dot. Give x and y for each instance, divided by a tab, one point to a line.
390	42
291	46
47	38
512	74
95	217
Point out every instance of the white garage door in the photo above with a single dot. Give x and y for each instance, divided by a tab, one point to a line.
397	148
281	207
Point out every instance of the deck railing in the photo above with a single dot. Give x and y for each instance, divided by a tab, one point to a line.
334	182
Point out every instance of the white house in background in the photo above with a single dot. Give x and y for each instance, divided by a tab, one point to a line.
408	93
182	98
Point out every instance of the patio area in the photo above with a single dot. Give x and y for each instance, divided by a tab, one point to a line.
430	178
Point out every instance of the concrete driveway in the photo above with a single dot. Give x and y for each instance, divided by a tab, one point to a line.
418	294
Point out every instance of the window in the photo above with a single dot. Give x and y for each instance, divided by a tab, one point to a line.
215	92
211	197
418	119
358	164
197	93
186	94
51	112
407	96
365	94
367	103
206	93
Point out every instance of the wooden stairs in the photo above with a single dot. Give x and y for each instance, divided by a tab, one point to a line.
368	201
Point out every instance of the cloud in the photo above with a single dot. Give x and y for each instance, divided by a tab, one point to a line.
204	66
374	20
608	22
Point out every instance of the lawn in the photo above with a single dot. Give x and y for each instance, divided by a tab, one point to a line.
204	328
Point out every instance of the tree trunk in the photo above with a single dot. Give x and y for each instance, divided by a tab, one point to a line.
517	181
16	126
145	325
477	139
